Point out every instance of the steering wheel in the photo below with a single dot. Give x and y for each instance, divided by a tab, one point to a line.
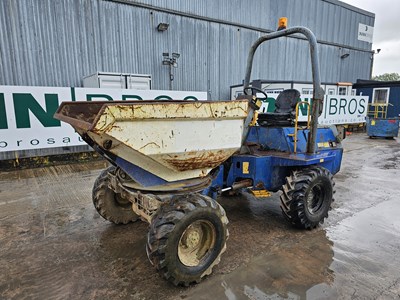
254	91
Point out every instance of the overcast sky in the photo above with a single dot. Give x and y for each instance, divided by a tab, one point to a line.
386	33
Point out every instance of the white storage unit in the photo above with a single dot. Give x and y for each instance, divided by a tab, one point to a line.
118	81
138	82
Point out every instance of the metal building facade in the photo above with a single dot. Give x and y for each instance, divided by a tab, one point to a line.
57	42
366	87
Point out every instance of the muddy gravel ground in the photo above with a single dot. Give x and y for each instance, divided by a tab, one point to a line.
53	244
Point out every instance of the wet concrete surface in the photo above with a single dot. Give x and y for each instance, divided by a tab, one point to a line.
53	245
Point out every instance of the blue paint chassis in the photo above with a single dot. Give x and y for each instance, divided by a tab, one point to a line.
271	157
269	160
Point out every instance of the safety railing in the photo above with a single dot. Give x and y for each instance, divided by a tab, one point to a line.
378	110
296	122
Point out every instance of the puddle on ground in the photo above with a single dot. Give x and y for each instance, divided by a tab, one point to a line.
366	248
357	259
54	245
294	269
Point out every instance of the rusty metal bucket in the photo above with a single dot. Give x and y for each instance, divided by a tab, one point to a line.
174	140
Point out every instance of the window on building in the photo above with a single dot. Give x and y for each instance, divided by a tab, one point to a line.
380	95
273	91
353	92
307	91
238	94
331	91
342	90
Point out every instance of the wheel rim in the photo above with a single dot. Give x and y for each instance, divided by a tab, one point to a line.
195	243
315	199
121	202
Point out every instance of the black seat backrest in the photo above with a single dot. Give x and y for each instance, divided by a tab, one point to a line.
286	101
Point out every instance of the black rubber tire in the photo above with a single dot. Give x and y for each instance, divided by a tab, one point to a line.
110	205
168	226
301	211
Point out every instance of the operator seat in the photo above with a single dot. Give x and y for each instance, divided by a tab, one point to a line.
285	110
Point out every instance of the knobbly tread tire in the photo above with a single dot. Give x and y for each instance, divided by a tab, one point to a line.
166	228
294	195
105	203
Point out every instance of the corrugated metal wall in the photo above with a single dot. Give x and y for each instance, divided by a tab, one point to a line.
57	42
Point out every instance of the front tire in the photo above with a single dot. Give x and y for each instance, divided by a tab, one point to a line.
187	237
307	196
109	205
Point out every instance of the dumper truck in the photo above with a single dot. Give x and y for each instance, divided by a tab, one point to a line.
171	160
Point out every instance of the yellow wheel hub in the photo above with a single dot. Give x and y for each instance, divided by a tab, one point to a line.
195	242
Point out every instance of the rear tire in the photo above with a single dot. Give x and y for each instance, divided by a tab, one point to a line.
307	196
187	237
109	205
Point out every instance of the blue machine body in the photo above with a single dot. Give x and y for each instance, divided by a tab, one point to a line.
268	161
271	158
381	127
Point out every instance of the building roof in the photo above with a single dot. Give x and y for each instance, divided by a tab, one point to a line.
361	83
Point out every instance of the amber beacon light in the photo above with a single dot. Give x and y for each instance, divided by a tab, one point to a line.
282	23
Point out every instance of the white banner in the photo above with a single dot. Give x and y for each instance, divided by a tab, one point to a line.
344	110
336	110
26	113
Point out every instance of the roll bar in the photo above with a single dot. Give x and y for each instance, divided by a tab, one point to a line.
318	92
